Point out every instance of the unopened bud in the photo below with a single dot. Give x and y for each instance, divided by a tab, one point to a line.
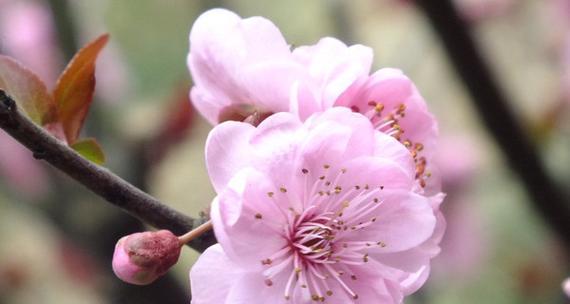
141	258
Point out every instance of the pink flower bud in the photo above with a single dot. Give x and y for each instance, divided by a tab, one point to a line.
141	258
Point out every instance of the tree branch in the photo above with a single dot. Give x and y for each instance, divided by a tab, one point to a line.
493	108
97	179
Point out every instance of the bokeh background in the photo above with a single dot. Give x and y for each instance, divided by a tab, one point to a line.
57	239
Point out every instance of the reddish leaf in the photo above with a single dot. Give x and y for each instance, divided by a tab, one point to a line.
28	91
90	149
74	89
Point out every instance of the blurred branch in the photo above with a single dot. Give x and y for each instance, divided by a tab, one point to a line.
493	108
99	180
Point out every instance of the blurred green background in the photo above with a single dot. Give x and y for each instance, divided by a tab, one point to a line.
57	238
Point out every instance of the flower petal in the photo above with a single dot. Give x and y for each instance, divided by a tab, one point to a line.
251	289
227	151
391	88
404	221
354	134
376	172
333	66
248	222
212	276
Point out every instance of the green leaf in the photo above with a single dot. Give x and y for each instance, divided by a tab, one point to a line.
90	149
74	89
28	90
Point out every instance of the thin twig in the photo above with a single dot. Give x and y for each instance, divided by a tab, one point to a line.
97	179
491	103
197	232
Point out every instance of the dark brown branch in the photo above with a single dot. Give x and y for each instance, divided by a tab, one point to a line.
494	110
97	179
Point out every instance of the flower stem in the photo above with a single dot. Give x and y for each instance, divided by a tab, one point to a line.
194	233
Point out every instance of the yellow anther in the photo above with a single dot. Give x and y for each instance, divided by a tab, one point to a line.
378	107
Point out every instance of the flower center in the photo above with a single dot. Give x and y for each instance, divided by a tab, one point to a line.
313	240
324	247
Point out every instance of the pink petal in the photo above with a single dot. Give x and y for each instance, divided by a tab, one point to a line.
354	128
303	102
247	221
333	66
391	88
209	106
404	221
252	289
416	280
274	147
239	62
376	172
212	276
388	147
227	151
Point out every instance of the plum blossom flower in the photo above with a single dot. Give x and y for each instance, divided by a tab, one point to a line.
323	210
241	67
245	66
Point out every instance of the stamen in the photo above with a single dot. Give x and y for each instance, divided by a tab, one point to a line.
340	281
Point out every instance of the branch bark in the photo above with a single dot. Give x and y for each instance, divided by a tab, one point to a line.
97	179
491	103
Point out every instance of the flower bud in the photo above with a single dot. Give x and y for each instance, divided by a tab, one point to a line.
141	258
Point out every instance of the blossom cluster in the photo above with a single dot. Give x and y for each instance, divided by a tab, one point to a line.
325	187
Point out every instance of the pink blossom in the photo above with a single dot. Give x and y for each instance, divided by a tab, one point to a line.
245	66
239	66
237	73
140	258
320	210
